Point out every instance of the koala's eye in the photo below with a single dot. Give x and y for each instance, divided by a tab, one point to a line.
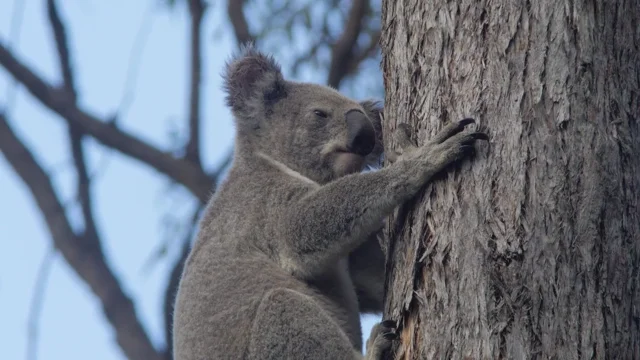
321	113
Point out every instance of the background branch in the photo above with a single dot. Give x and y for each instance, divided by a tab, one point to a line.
36	304
365	53
85	257
60	36
196	9
344	46
235	10
75	135
183	172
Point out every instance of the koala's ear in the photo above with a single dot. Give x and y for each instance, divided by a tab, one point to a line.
252	80
373	109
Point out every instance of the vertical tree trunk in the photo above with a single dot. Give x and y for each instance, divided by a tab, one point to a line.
532	250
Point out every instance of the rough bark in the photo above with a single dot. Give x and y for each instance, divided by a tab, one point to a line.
532	250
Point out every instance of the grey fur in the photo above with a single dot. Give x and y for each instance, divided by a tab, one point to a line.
286	257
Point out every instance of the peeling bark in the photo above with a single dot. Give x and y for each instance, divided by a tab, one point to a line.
532	250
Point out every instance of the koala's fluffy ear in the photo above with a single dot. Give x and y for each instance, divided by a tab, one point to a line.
373	109
253	81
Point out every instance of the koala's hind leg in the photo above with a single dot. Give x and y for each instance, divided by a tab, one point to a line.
291	326
382	334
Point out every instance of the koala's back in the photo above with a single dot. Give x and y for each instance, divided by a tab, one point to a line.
232	282
217	303
230	308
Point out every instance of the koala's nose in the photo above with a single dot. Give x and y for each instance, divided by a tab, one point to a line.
361	135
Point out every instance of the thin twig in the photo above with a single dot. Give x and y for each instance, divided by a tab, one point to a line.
197	9
135	57
62	45
14	38
35	308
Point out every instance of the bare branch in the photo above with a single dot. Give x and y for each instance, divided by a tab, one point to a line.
196	9
84	185
183	172
344	46
36	304
135	57
60	36
235	9
14	38
75	135
309	55
365	53
85	257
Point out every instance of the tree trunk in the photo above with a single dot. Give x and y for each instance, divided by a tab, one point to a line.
531	250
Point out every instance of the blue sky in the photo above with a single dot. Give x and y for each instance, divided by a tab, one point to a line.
131	201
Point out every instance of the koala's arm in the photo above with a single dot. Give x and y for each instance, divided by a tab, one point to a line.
367	270
332	220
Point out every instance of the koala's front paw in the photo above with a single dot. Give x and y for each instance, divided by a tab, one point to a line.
451	144
381	338
405	144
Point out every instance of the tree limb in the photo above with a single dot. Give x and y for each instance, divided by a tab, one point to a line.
59	101
239	22
60	36
344	47
85	257
75	135
196	9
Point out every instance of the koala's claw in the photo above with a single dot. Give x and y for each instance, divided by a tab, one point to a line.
466	121
480	136
390	336
381	339
451	130
451	134
468	149
389	324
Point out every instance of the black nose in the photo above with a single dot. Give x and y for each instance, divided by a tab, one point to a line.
361	135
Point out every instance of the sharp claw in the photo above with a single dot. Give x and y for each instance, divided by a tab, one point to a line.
389	324
481	136
466	121
390	336
468	149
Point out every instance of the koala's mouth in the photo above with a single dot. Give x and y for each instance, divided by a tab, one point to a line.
338	149
342	160
347	162
347	151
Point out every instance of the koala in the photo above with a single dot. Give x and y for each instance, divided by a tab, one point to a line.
286	257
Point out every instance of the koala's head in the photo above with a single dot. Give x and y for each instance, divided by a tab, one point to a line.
310	128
